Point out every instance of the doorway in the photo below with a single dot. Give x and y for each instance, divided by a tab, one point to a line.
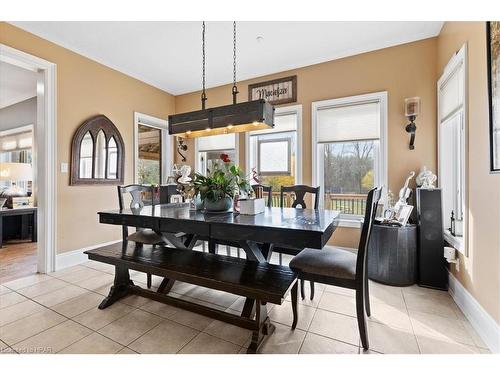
31	152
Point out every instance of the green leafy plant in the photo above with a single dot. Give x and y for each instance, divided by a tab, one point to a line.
225	180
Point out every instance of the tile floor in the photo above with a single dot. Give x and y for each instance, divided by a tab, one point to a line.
57	313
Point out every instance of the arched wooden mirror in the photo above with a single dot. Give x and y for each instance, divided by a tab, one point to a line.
97	153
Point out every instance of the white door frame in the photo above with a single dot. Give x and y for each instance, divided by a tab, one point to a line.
167	143
44	151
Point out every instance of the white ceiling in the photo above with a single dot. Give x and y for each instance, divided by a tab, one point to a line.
16	84
168	54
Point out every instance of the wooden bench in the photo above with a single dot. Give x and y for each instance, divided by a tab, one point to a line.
260	283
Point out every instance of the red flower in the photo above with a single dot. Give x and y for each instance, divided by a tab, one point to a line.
225	158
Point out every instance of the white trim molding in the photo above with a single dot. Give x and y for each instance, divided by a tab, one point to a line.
75	257
44	151
486	327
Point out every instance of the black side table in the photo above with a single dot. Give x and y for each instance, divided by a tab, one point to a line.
392	254
25	213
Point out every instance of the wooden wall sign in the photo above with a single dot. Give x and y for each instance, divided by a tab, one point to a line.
276	91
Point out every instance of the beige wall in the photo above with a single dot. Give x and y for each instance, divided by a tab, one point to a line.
479	272
403	71
84	89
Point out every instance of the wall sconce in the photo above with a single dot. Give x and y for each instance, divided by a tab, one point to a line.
181	147
412	110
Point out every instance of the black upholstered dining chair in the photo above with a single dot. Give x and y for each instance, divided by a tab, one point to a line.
343	268
299	192
140	236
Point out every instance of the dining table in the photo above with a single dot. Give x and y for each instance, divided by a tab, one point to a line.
257	235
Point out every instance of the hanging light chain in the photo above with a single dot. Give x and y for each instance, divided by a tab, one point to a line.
203	93
234	89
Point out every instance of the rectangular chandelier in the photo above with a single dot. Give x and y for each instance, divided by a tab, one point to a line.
233	118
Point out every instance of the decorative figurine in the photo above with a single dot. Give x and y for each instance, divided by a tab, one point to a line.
404	193
426	179
185	171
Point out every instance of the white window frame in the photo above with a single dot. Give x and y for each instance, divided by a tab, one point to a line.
166	143
236	153
458	59
287	110
347	220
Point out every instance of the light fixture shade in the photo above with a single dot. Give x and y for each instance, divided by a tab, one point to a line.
16	172
412	106
233	118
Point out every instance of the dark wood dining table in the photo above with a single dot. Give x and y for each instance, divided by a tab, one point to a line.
255	234
254	278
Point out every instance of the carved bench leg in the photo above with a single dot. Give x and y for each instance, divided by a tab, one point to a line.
119	288
263	327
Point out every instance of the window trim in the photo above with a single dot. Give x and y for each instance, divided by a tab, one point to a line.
458	59
166	143
349	220
236	153
285	110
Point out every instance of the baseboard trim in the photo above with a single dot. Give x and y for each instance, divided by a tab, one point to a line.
486	327
75	257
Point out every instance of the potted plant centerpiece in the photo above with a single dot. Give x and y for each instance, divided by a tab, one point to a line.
218	188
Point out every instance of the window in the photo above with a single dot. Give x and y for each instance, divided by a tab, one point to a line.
152	150
275	153
452	144
91	156
349	152
208	150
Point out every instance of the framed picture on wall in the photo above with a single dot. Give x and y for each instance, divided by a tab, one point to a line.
493	51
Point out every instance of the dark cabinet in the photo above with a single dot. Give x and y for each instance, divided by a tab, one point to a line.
392	254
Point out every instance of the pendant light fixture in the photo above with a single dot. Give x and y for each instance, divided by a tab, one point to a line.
233	118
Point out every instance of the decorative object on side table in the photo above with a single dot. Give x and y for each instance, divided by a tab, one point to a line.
218	188
404	214
404	193
426	179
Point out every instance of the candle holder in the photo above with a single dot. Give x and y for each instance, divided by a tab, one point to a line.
412	110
